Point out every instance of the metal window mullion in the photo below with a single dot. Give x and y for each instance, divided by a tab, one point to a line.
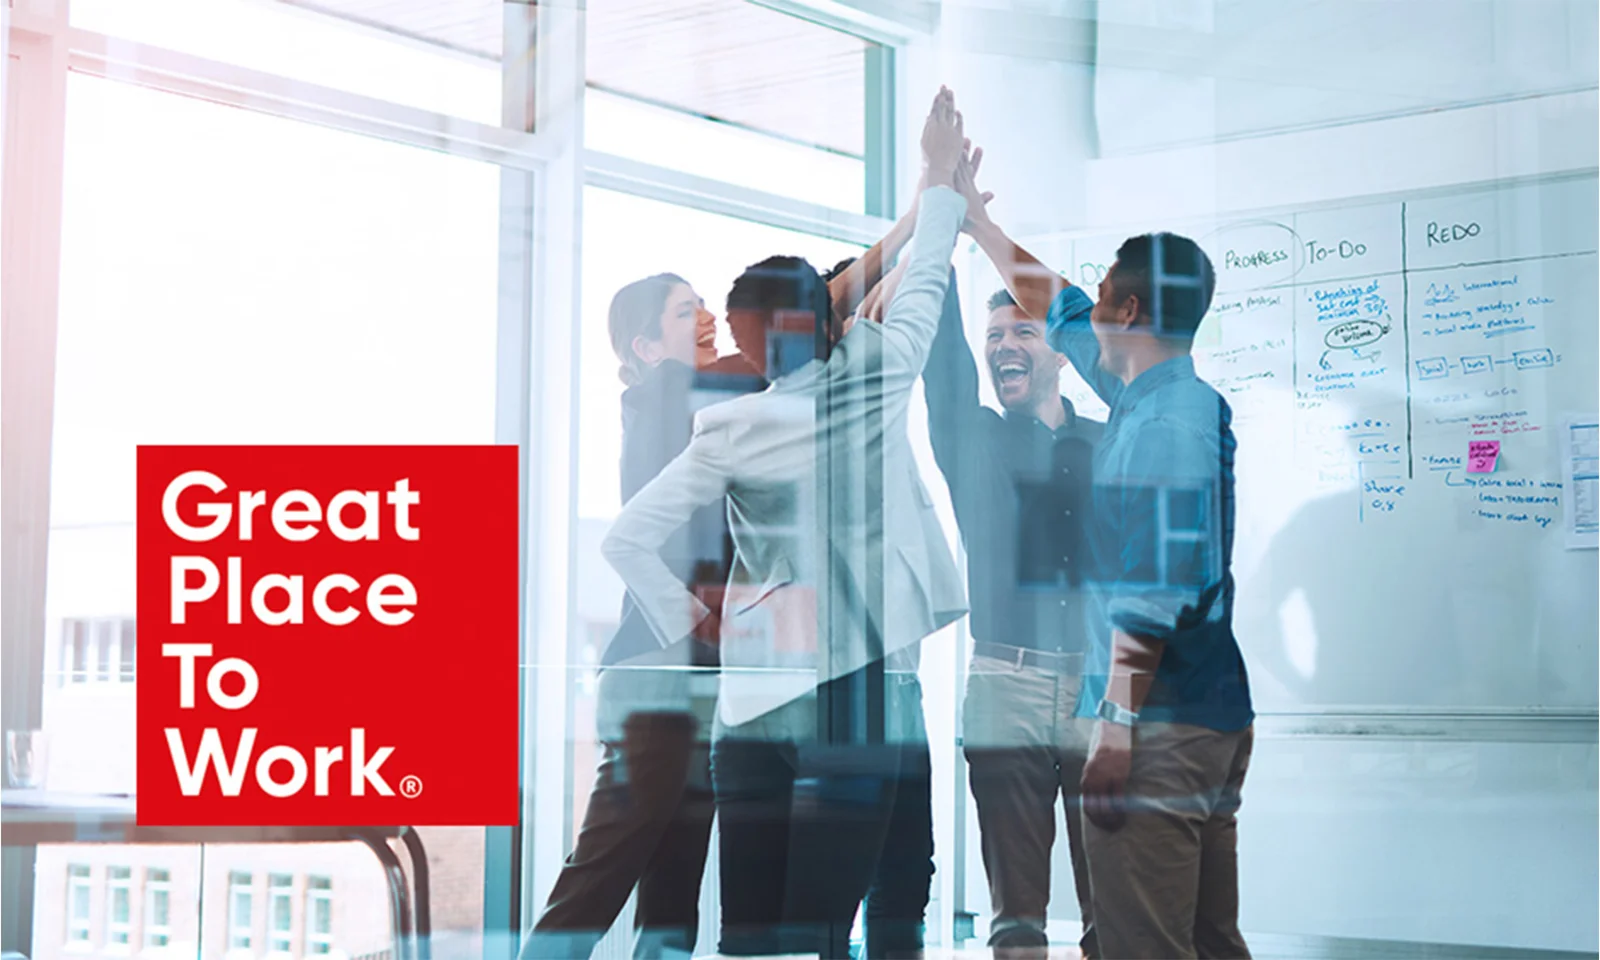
188	75
636	178
554	101
514	424
32	181
879	135
851	19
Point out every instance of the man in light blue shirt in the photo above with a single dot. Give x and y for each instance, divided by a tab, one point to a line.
1165	683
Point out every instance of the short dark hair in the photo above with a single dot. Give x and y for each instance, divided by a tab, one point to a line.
1000	299
780	284
1179	297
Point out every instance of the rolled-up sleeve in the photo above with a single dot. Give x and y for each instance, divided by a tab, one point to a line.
1068	332
1167	567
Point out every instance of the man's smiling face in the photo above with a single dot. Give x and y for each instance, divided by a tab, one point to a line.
1024	370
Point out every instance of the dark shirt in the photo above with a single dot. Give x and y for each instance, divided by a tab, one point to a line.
1163	531
657	421
1021	496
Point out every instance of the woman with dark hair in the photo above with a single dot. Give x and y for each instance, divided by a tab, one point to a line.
649	816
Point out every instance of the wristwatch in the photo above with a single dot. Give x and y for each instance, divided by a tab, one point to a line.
1116	713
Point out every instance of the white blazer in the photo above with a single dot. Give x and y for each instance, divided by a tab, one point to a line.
813	594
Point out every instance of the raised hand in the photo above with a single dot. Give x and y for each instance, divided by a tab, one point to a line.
965	182
942	140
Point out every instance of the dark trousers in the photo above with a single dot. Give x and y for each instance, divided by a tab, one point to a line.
648	824
897	902
808	830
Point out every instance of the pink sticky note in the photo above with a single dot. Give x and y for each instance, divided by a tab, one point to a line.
1481	455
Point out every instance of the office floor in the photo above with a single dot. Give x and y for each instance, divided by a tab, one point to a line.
1286	947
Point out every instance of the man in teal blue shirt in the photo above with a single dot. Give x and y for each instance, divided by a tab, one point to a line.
1165	682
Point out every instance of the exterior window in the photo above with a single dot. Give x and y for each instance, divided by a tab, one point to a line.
75	651
78	904
280	910
97	650
105	650
157	908
241	901
119	906
129	631
319	915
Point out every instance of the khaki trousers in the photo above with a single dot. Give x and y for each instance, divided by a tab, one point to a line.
1024	748
1166	885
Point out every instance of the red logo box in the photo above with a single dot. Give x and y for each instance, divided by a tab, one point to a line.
328	637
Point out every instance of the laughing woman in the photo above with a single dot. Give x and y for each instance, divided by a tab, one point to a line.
649	815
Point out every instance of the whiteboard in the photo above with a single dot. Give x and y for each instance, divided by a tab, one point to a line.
1362	346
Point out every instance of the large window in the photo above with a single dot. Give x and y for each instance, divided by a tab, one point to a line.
157	312
444	58
204	246
732	91
360	279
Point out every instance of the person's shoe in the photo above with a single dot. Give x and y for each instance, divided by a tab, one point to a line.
1020	942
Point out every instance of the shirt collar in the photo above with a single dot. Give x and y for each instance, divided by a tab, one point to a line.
1067	424
1153	379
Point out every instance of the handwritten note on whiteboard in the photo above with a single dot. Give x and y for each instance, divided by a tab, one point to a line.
1580	462
1481	455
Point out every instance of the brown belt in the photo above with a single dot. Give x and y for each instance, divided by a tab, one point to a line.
1020	657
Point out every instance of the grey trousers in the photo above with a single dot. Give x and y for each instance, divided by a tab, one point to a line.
1166	885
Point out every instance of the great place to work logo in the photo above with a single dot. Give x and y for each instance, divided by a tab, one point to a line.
327	636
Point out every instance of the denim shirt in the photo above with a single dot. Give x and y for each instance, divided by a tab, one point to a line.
1163	531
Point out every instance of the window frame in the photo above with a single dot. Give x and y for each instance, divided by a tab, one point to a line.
157	890
89	643
319	943
538	148
547	814
80	883
319	890
76	640
241	929
119	884
280	942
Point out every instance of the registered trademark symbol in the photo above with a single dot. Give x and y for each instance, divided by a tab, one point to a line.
411	786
